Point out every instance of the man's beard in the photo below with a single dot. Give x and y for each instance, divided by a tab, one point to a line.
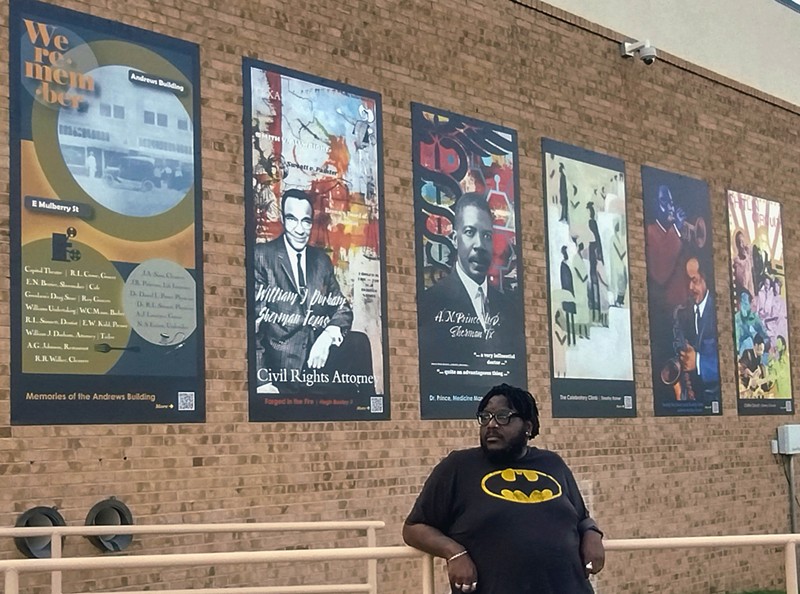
513	451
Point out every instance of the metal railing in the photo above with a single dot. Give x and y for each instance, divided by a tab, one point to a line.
787	541
371	553
57	564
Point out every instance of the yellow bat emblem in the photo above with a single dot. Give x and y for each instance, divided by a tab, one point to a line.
521	486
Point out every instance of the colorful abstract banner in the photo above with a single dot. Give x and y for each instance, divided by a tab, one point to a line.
588	280
759	305
314	229
106	284
680	286
469	267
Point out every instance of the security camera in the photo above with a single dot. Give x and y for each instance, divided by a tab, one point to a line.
647	53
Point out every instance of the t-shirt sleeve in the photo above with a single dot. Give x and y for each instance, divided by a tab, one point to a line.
434	503
585	521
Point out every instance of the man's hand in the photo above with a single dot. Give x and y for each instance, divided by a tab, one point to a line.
688	357
318	355
593	553
744	372
680	218
463	574
461	571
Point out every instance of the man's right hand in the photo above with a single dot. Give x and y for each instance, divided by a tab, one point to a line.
463	574
461	571
688	357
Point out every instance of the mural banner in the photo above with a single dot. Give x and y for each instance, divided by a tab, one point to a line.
469	267
680	285
314	230
759	305
591	344
106	284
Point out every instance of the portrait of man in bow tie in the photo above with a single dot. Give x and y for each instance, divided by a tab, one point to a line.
470	319
463	305
302	317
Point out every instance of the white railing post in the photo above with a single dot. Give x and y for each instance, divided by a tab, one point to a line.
372	564
427	574
55	553
12	581
790	555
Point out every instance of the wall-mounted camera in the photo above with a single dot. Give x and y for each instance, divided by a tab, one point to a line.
646	52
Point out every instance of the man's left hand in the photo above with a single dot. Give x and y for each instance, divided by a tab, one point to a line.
318	355
593	553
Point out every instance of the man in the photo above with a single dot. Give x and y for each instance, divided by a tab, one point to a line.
581	278
619	265
746	323
743	265
563	194
301	314
752	370
595	257
91	164
698	323
463	305
569	302
779	371
772	309
665	252
762	265
508	518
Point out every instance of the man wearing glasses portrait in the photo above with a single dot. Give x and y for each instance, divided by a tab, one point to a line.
301	313
506	516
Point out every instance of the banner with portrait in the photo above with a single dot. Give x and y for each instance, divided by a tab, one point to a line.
106	283
680	286
471	324
316	284
759	305
591	344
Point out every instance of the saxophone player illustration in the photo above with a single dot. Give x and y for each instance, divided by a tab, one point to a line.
696	324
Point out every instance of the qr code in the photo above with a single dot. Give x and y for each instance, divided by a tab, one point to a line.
185	400
376	404
627	402
715	407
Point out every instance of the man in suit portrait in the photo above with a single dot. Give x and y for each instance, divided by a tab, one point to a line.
302	317
698	323
463	308
754	380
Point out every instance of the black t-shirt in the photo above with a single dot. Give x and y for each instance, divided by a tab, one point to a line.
519	522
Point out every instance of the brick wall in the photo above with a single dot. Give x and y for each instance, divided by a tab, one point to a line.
520	64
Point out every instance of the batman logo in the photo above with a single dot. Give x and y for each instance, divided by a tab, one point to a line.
521	486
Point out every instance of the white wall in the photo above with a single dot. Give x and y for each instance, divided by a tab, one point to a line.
756	42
